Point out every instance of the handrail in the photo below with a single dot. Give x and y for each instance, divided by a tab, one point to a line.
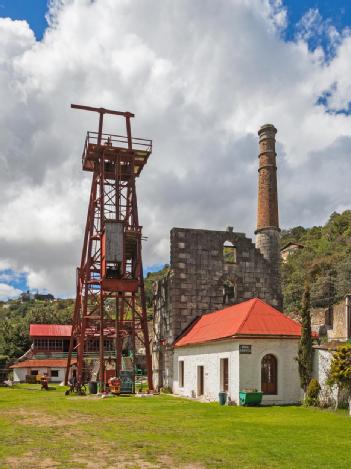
120	136
110	138
140	144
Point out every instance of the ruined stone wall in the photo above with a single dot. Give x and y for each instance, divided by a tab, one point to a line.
341	321
200	273
198	283
336	327
161	330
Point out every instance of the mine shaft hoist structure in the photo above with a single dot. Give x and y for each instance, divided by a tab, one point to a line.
110	317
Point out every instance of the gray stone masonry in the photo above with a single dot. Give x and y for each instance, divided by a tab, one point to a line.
197	284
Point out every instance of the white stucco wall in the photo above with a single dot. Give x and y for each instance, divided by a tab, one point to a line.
285	351
321	364
244	369
19	374
208	356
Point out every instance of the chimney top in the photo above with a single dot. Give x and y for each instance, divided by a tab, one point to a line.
229	229
267	131
266	127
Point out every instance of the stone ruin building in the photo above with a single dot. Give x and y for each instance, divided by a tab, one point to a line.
333	323
209	269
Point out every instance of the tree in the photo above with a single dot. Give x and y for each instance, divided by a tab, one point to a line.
305	351
16	319
326	257
340	371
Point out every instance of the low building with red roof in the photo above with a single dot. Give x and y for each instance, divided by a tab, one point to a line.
53	368
47	354
248	346
49	350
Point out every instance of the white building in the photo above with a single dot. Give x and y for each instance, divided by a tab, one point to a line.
47	354
248	346
54	369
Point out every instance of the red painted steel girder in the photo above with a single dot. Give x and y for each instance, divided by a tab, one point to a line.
110	297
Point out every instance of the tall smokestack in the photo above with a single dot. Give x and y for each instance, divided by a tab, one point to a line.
267	232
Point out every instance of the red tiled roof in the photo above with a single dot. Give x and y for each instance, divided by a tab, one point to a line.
50	363
50	330
250	318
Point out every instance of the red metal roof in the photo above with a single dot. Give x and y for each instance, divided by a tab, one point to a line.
50	363
250	318
50	330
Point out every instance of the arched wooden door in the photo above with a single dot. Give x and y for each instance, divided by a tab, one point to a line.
269	374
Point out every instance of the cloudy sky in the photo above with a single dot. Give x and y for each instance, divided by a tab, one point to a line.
201	76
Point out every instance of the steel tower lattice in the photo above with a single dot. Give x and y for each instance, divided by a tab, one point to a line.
110	305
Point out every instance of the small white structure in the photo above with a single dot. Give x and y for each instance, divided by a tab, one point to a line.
54	368
289	249
249	346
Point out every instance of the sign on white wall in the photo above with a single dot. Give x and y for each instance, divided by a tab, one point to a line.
245	349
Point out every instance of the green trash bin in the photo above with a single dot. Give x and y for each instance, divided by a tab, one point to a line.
92	386
250	398
222	398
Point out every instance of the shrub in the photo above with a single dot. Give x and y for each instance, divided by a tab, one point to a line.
312	393
166	390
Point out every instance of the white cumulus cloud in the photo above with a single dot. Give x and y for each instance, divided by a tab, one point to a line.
6	292
201	77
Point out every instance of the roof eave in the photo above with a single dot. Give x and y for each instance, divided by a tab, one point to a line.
241	336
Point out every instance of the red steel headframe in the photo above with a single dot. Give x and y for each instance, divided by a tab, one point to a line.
110	309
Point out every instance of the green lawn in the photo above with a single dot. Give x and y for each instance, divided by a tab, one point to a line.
49	430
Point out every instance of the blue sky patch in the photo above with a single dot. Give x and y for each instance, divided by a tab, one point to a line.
320	23
153	268
15	279
33	11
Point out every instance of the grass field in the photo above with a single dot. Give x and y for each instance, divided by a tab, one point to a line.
40	429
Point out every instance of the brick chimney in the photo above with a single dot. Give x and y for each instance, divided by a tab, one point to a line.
267	232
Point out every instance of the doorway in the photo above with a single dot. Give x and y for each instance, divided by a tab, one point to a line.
269	375
224	368
200	380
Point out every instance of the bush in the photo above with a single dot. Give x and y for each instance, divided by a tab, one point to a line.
312	393
166	390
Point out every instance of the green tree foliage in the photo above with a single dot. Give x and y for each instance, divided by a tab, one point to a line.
15	318
340	370
304	356
326	259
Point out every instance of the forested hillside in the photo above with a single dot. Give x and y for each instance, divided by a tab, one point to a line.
325	261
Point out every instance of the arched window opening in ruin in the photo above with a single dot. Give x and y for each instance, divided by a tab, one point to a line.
269	374
229	292
229	253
